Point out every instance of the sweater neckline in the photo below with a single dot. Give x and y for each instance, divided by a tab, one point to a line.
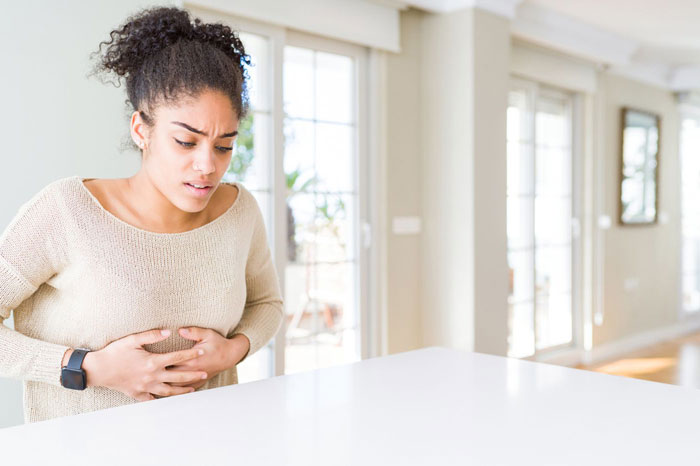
129	226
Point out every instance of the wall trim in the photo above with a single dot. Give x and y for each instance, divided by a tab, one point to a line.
550	67
337	19
683	78
640	341
551	29
654	74
506	8
610	351
622	347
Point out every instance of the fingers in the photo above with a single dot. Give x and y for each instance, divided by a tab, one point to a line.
169	359
143	396
183	376
194	385
164	389
150	336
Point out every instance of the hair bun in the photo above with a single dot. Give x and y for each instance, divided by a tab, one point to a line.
144	34
163	54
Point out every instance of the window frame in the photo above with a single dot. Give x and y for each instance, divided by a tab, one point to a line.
369	64
534	89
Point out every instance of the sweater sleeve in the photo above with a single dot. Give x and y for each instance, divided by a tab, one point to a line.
264	309
30	254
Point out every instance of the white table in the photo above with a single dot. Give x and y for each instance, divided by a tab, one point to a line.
432	406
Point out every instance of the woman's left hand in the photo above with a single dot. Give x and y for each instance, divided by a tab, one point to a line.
220	353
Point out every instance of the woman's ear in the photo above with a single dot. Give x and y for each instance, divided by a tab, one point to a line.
139	130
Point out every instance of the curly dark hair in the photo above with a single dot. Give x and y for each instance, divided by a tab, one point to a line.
163	56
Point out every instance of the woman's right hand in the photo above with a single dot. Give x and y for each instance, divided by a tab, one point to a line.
125	366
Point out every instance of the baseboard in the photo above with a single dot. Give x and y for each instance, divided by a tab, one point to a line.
566	357
573	356
640	341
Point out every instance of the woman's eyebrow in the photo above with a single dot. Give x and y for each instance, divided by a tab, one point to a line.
194	130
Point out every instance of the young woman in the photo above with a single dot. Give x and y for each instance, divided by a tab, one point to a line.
155	285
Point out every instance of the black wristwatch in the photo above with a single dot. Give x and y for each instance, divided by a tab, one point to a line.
72	374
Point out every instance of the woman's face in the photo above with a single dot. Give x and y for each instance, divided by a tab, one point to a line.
189	144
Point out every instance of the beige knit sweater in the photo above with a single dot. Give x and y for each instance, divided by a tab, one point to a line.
78	276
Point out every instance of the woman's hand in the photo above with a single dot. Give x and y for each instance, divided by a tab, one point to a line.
125	366
220	353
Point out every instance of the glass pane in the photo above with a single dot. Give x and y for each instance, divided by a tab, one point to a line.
335	228
552	220
554	323
257	47
519	117
334	161
553	171
553	270
251	159
691	292
520	222
334	87
299	153
301	220
552	122
691	256
690	214
521	276
520	170
322	329
257	366
300	281
521	331
298	82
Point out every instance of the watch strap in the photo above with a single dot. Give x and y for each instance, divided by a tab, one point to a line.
75	361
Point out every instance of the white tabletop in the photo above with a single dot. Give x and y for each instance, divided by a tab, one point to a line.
432	406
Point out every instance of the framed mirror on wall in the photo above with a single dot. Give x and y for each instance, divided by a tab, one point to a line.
639	167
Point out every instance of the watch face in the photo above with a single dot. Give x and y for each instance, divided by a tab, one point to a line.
73	379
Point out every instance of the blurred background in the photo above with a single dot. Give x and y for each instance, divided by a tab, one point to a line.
513	177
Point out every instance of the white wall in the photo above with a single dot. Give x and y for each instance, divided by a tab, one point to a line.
648	256
404	187
56	122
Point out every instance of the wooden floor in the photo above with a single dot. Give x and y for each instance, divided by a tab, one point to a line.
675	362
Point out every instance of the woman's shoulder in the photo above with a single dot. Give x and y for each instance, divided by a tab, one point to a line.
47	195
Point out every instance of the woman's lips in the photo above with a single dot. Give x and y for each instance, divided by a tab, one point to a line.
198	192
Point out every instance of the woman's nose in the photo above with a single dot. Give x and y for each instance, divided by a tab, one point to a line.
205	163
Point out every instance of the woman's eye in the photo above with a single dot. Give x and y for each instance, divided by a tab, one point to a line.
186	144
190	144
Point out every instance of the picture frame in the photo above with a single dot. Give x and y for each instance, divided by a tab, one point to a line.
640	138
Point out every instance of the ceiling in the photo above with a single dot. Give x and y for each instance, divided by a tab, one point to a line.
660	23
665	31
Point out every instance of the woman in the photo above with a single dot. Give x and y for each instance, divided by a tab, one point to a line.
161	283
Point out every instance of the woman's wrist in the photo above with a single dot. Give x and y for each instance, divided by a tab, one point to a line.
240	345
66	357
91	368
89	365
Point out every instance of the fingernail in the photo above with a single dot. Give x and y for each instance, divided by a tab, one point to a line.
204	376
201	352
165	333
184	330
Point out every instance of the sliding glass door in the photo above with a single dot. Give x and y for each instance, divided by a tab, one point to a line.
540	217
